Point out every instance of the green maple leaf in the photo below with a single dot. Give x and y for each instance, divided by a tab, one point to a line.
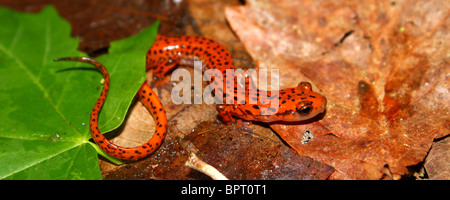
45	105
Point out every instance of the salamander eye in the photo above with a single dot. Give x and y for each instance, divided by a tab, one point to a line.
305	109
305	86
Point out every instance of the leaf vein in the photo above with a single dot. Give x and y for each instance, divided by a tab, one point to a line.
40	86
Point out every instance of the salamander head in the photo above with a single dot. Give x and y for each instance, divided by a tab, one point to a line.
293	104
300	103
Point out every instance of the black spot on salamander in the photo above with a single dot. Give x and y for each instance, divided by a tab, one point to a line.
256	106
248	112
312	96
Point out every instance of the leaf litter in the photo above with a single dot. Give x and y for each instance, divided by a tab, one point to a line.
238	154
383	67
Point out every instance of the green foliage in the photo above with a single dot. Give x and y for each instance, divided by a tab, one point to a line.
45	105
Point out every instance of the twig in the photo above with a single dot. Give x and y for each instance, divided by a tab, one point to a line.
195	163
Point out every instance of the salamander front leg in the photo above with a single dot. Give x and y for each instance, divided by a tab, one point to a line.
225	114
160	71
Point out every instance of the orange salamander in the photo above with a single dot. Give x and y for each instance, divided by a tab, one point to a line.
295	104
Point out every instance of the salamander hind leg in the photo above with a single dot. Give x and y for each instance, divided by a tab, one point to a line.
225	114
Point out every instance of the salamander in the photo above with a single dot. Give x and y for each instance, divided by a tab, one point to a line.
294	104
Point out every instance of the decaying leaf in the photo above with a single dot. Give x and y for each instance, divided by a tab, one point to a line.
235	153
383	66
437	163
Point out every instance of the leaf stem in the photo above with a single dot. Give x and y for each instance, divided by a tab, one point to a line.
112	159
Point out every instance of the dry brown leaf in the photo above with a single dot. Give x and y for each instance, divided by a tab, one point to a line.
437	163
382	65
235	153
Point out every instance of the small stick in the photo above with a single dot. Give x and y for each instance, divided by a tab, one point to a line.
195	163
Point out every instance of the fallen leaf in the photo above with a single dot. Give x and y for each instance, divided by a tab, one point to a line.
437	163
383	67
235	153
243	155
